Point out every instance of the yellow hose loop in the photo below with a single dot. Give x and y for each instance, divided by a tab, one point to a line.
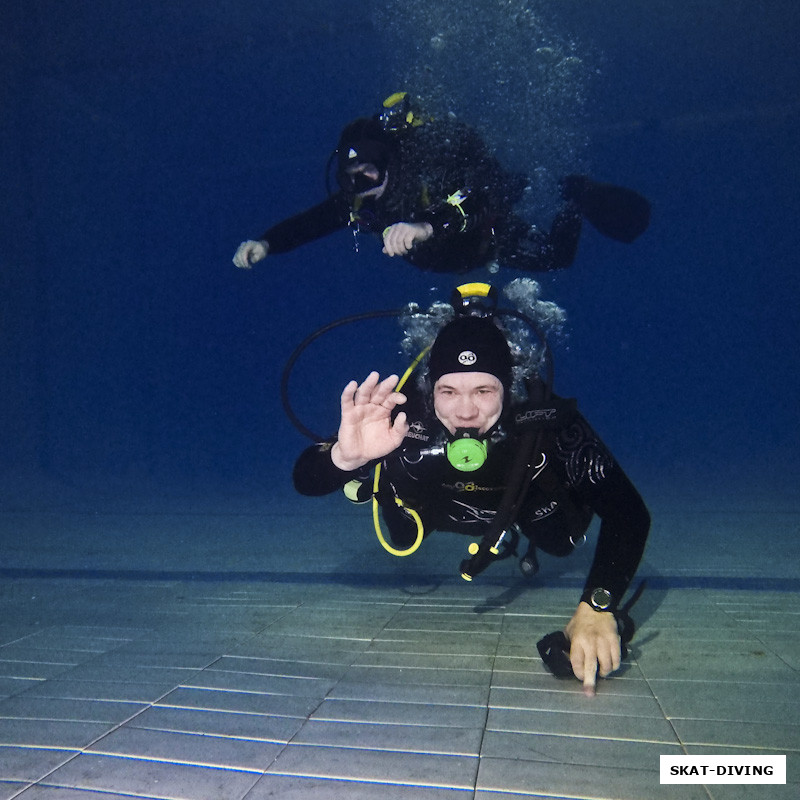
376	482
376	520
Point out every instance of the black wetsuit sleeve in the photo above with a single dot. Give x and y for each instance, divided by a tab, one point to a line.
315	474
454	217
602	486
624	526
321	220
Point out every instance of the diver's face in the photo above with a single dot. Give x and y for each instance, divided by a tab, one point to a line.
468	400
366	180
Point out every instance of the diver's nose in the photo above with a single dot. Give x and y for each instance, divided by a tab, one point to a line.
467	409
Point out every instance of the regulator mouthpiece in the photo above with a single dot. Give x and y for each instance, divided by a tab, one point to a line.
466	452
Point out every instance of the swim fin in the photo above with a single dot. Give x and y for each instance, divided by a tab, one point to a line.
614	211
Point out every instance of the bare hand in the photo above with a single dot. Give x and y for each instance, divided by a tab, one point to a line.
366	431
594	645
249	253
398	239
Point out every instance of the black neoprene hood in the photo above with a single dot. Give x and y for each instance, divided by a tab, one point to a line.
363	141
471	344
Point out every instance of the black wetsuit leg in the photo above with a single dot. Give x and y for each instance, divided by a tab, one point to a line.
556	532
521	246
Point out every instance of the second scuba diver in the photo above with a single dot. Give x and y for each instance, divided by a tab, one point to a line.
434	195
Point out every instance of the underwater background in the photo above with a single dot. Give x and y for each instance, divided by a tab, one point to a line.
141	142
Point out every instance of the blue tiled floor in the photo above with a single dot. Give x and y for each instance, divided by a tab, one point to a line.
176	653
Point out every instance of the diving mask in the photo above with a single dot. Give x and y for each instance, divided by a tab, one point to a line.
362	178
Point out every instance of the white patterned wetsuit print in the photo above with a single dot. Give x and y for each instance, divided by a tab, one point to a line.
471	514
583	455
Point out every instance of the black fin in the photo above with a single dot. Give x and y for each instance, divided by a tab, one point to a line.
614	211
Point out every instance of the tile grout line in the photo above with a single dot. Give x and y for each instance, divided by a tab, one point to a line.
742	625
488	701
338	681
115	727
406	604
146	707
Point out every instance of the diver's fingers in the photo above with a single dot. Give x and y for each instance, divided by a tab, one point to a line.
400	426
589	673
405	238
348	394
366	390
398	239
388	248
257	252
576	659
384	390
356	393
616	656
584	665
609	656
249	253
392	247
240	258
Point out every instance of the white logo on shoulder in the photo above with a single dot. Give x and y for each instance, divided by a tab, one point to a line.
467	358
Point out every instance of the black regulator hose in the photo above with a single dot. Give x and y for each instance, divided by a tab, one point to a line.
523	470
298	351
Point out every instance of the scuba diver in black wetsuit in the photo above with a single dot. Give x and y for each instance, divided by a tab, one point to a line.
435	195
458	454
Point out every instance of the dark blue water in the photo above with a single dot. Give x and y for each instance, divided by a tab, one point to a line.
140	144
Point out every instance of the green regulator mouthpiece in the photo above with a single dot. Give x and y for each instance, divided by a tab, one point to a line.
466	452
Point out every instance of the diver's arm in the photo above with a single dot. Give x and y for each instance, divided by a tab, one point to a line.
595	647
625	522
315	474
459	214
321	220
590	470
453	217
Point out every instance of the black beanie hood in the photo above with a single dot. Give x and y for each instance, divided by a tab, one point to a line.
363	141
471	344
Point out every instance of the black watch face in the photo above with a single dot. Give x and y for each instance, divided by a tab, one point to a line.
601	599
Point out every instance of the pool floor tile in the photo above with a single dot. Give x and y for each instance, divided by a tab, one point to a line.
402	713
415	769
159	779
233	725
248	690
30	764
430	739
285	787
202	750
549	779
576	751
